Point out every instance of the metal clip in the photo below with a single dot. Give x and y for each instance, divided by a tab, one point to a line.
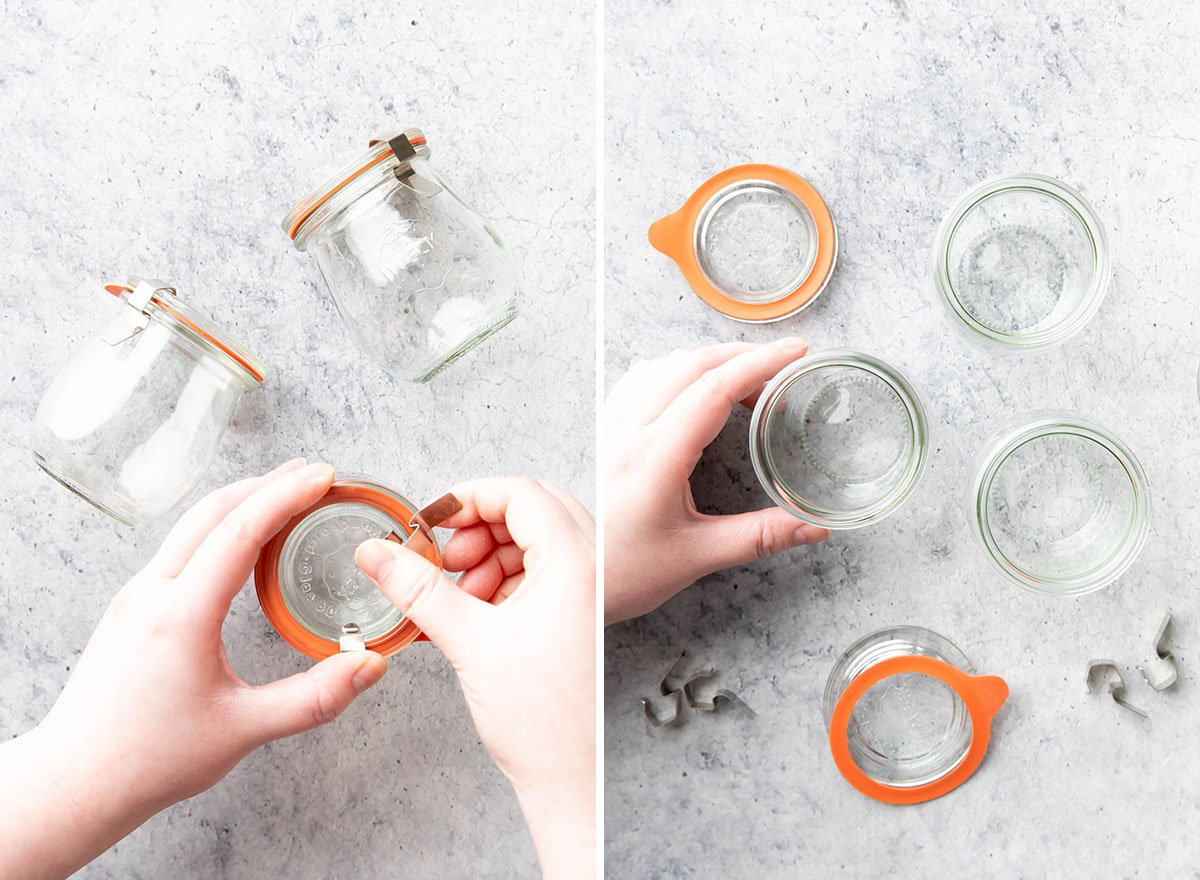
135	316
405	152
352	638
425	520
1165	658
1116	684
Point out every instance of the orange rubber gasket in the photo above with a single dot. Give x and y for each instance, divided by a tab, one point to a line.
418	141
118	289
270	597
983	696
675	234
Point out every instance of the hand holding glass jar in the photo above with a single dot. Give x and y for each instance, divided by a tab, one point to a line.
526	658
659	418
153	713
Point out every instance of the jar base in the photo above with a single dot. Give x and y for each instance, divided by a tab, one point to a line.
62	477
502	320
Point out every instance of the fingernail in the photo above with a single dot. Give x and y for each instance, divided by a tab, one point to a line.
374	557
806	535
372	669
317	471
793	342
293	464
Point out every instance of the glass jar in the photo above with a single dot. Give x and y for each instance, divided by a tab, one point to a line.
309	586
755	242
418	276
908	718
1060	505
134	418
839	439
1021	262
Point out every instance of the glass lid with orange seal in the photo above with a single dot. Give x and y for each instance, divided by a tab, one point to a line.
755	242
908	718
309	586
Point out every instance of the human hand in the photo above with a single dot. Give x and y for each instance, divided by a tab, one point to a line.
659	418
153	713
526	659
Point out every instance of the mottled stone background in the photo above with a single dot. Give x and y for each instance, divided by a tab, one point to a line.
891	110
170	139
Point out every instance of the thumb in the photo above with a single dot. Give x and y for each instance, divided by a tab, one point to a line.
418	588
309	699
745	537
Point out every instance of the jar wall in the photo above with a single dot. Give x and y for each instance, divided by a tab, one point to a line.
419	280
133	427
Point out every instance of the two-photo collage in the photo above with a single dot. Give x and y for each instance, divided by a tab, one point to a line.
640	439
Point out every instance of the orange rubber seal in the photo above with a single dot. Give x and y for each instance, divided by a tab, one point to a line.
270	596
675	236
118	289
317	201
983	695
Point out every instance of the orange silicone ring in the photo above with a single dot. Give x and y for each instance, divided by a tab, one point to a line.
983	695
270	597
340	185
675	234
118	289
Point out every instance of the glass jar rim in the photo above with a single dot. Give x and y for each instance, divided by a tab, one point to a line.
348	183
268	584
180	318
1048	424
1070	199
918	454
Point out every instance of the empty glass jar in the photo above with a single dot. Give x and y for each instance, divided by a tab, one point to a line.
309	586
839	439
1021	262
908	719
418	276
1061	506
134	418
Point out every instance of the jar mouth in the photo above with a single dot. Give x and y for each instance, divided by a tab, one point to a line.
839	440
347	184
306	579
203	332
1061	506
1021	261
909	730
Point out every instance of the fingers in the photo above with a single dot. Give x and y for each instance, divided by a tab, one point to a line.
578	512
534	517
195	524
698	414
223	561
420	589
469	545
310	699
725	541
652	385
485	577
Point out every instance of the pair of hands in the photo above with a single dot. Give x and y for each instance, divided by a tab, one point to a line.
153	712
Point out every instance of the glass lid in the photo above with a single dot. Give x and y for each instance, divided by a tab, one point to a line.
146	297
1022	261
1061	505
908	718
838	439
308	584
755	242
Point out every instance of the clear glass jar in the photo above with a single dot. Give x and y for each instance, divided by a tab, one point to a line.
908	718
418	276
1021	262
839	439
755	242
134	418
1060	505
309	586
